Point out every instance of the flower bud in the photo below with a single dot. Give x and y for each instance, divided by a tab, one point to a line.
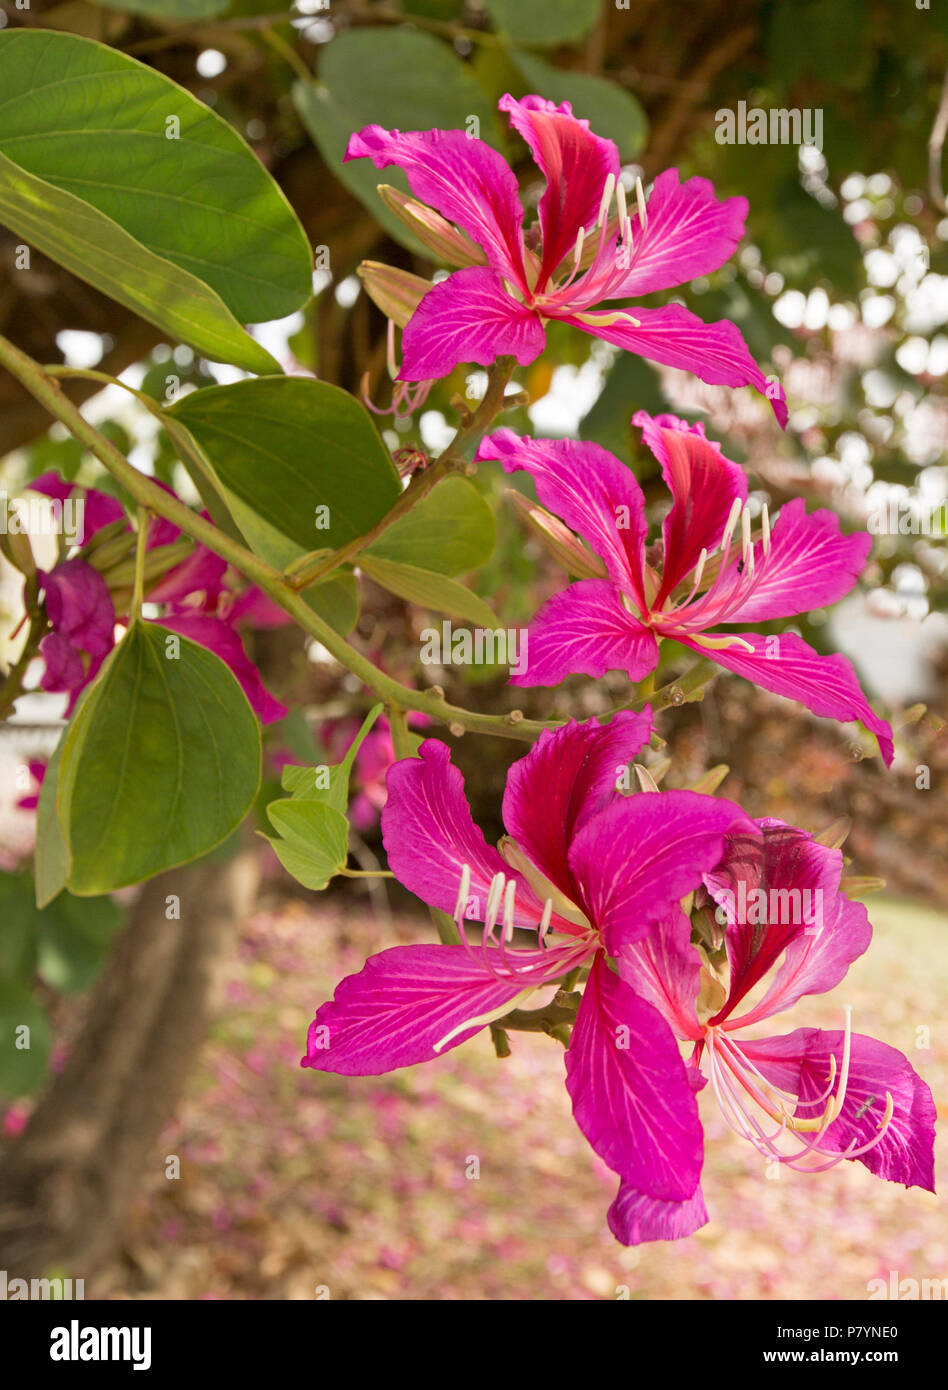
446	241
558	539
396	292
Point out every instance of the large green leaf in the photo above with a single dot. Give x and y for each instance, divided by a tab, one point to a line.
286	446
159	764
397	78
98	250
451	531
151	157
545	22
610	110
73	936
428	589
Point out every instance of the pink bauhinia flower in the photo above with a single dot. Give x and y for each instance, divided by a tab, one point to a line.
808	1099
585	868
197	600
588	249
711	570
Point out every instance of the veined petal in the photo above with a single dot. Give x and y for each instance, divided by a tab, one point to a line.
569	774
576	164
689	233
637	858
221	639
635	1218
703	484
98	509
586	630
469	317
630	1094
664	968
202	572
800	1063
464	179
827	685
811	564
589	489
773	887
675	337
402	1003
429	836
79	606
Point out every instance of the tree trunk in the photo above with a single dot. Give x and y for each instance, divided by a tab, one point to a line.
67	1182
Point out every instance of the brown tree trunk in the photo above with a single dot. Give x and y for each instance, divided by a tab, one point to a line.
67	1182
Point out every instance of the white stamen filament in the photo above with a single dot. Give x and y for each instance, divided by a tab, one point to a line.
578	249
640	199
621	203
546	918
509	893
765	528
463	891
606	200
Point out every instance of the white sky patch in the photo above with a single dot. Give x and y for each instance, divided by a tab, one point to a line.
347	291
79	348
210	63
573	393
275	335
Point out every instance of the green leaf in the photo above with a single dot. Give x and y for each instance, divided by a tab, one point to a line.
610	110
428	589
22	1068
452	530
170	9
315	843
304	783
159	764
101	252
149	156
544	22
51	855
17	935
286	446
73	936
397	78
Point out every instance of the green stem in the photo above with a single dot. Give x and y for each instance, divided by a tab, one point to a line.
146	493
138	587
287	53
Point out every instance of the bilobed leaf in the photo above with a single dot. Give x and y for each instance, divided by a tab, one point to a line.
287	446
397	78
610	110
545	22
17	935
101	252
51	854
451	531
159	764
149	156
315	840
428	589
303	783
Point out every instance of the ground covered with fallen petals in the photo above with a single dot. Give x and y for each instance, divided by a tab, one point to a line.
300	1185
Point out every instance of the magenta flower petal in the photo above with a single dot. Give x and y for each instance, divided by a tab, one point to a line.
635	1218
221	639
586	629
469	317
99	509
665	969
254	607
590	490
811	565
638	857
800	1063
630	1094
402	1002
464	179
63	668
827	685
703	484
576	164
799	877
79	606
429	836
569	775
675	337
689	233
202	572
